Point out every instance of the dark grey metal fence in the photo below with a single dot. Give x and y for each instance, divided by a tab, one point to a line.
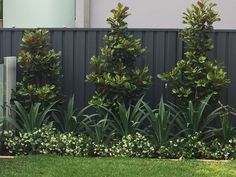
164	49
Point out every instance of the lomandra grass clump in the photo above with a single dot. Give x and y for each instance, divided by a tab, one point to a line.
116	78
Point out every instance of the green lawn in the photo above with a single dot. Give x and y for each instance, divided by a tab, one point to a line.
54	166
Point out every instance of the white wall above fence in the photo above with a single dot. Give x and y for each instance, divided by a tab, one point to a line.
158	13
39	13
82	13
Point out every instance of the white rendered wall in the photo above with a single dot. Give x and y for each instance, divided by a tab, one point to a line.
39	13
158	13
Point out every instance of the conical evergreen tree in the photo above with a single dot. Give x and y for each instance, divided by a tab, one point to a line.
41	70
196	76
116	78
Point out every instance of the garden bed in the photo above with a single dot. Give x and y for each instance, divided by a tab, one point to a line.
119	122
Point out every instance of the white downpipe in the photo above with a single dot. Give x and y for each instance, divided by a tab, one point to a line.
83	13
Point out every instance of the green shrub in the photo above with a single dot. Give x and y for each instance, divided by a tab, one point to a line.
197	76
222	150
101	150
162	123
46	141
193	147
226	131
195	119
29	120
128	120
67	119
189	147
41	71
107	124
70	120
70	144
116	78
98	128
135	145
23	143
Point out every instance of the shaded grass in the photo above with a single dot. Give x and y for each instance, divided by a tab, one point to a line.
55	166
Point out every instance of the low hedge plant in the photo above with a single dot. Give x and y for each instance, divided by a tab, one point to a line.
48	141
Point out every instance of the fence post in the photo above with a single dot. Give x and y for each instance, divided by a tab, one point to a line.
9	80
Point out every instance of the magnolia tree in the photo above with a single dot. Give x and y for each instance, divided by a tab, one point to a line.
41	70
197	76
116	78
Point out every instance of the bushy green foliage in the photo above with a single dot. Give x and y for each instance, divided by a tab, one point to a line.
23	143
188	147
193	147
70	119
29	120
196	76
69	144
135	145
127	120
67	120
46	140
115	76
199	118
101	150
98	127
222	150
226	131
161	123
41	70
108	123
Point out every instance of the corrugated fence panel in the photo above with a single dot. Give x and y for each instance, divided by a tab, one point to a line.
79	68
159	64
91	50
221	55
231	68
164	48
171	44
148	61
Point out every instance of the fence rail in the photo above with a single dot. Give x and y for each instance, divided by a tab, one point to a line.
164	48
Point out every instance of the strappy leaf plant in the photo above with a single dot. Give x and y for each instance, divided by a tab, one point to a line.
128	120
34	118
162	123
198	118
